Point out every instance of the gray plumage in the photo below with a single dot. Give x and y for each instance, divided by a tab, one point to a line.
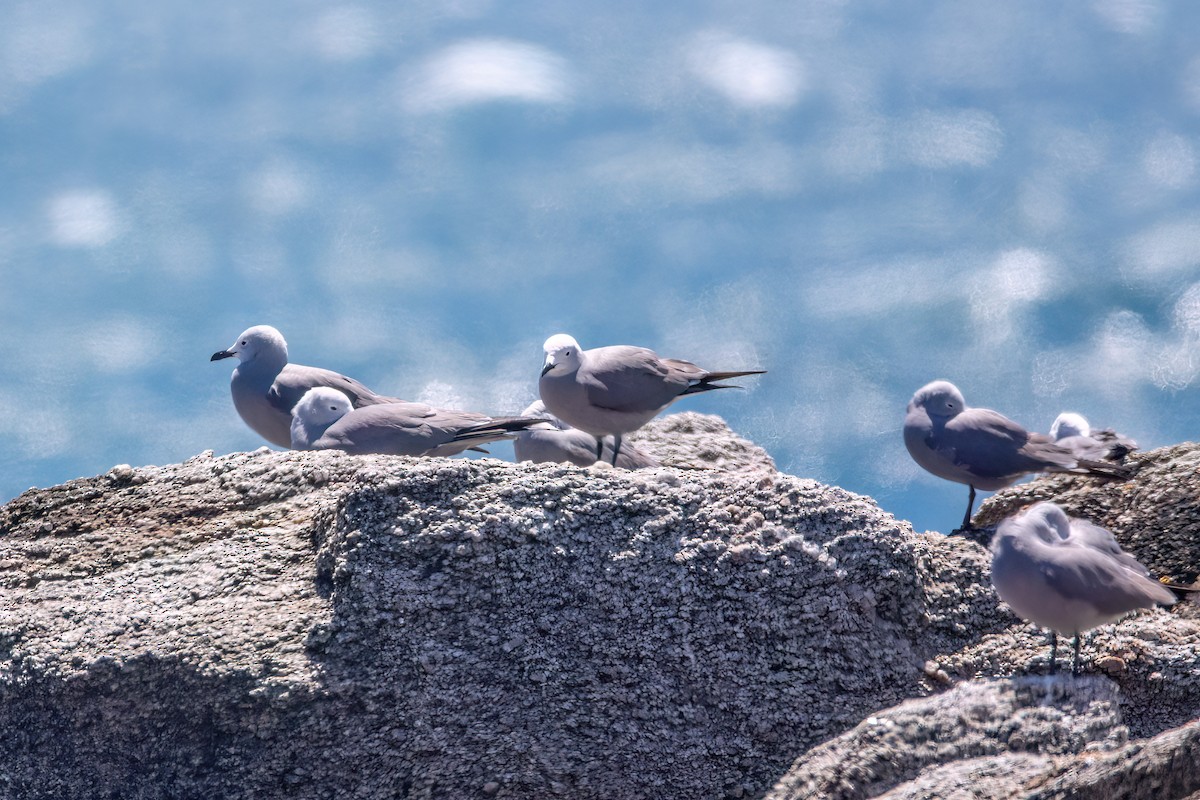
558	442
1072	431
983	448
266	387
610	391
1067	574
325	420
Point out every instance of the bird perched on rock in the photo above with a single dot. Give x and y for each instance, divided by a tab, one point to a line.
1072	431
983	448
558	442
325	419
1067	574
266	387
610	391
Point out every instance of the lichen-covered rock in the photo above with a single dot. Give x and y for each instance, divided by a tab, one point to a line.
999	740
704	441
1026	721
1152	656
319	625
365	626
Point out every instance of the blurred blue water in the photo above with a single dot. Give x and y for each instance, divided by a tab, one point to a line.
859	197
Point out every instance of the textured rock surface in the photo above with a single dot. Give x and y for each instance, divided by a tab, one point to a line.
1000	739
696	440
323	625
1026	722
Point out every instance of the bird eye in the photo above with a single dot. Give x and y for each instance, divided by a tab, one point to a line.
566	352
243	344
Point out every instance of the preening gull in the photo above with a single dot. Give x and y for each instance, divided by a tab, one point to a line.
324	419
1067	574
266	387
558	442
1072	431
983	448
610	391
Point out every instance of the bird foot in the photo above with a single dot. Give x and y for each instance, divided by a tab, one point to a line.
982	536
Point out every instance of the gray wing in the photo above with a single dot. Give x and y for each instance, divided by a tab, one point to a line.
634	379
1084	447
1101	539
412	429
296	379
1087	575
987	444
400	429
570	446
576	447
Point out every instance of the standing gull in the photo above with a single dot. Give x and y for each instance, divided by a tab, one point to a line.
324	419
983	448
266	387
558	442
1067	574
610	391
1072	431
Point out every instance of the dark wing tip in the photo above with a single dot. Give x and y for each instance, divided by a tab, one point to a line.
1108	469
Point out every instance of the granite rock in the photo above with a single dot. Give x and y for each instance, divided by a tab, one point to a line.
323	625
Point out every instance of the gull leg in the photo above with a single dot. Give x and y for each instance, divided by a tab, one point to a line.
970	505
616	448
599	447
1053	651
1075	668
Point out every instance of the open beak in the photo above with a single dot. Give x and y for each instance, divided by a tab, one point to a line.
217	356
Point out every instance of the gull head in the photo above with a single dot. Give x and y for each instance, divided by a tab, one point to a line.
1069	423
562	355
1044	522
940	399
1048	521
256	341
322	406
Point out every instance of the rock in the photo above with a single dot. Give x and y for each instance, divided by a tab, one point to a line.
1019	738
323	625
1023	723
702	441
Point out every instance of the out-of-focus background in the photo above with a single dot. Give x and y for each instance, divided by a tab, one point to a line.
858	196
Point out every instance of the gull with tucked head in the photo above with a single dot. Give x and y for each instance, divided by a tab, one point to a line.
266	387
611	391
324	419
558	442
1072	431
983	448
1067	574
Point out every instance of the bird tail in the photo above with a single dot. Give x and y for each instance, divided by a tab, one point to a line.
707	383
1107	469
500	427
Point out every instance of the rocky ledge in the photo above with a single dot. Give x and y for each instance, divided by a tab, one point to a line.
317	625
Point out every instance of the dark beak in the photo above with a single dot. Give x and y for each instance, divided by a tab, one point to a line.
217	356
545	369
